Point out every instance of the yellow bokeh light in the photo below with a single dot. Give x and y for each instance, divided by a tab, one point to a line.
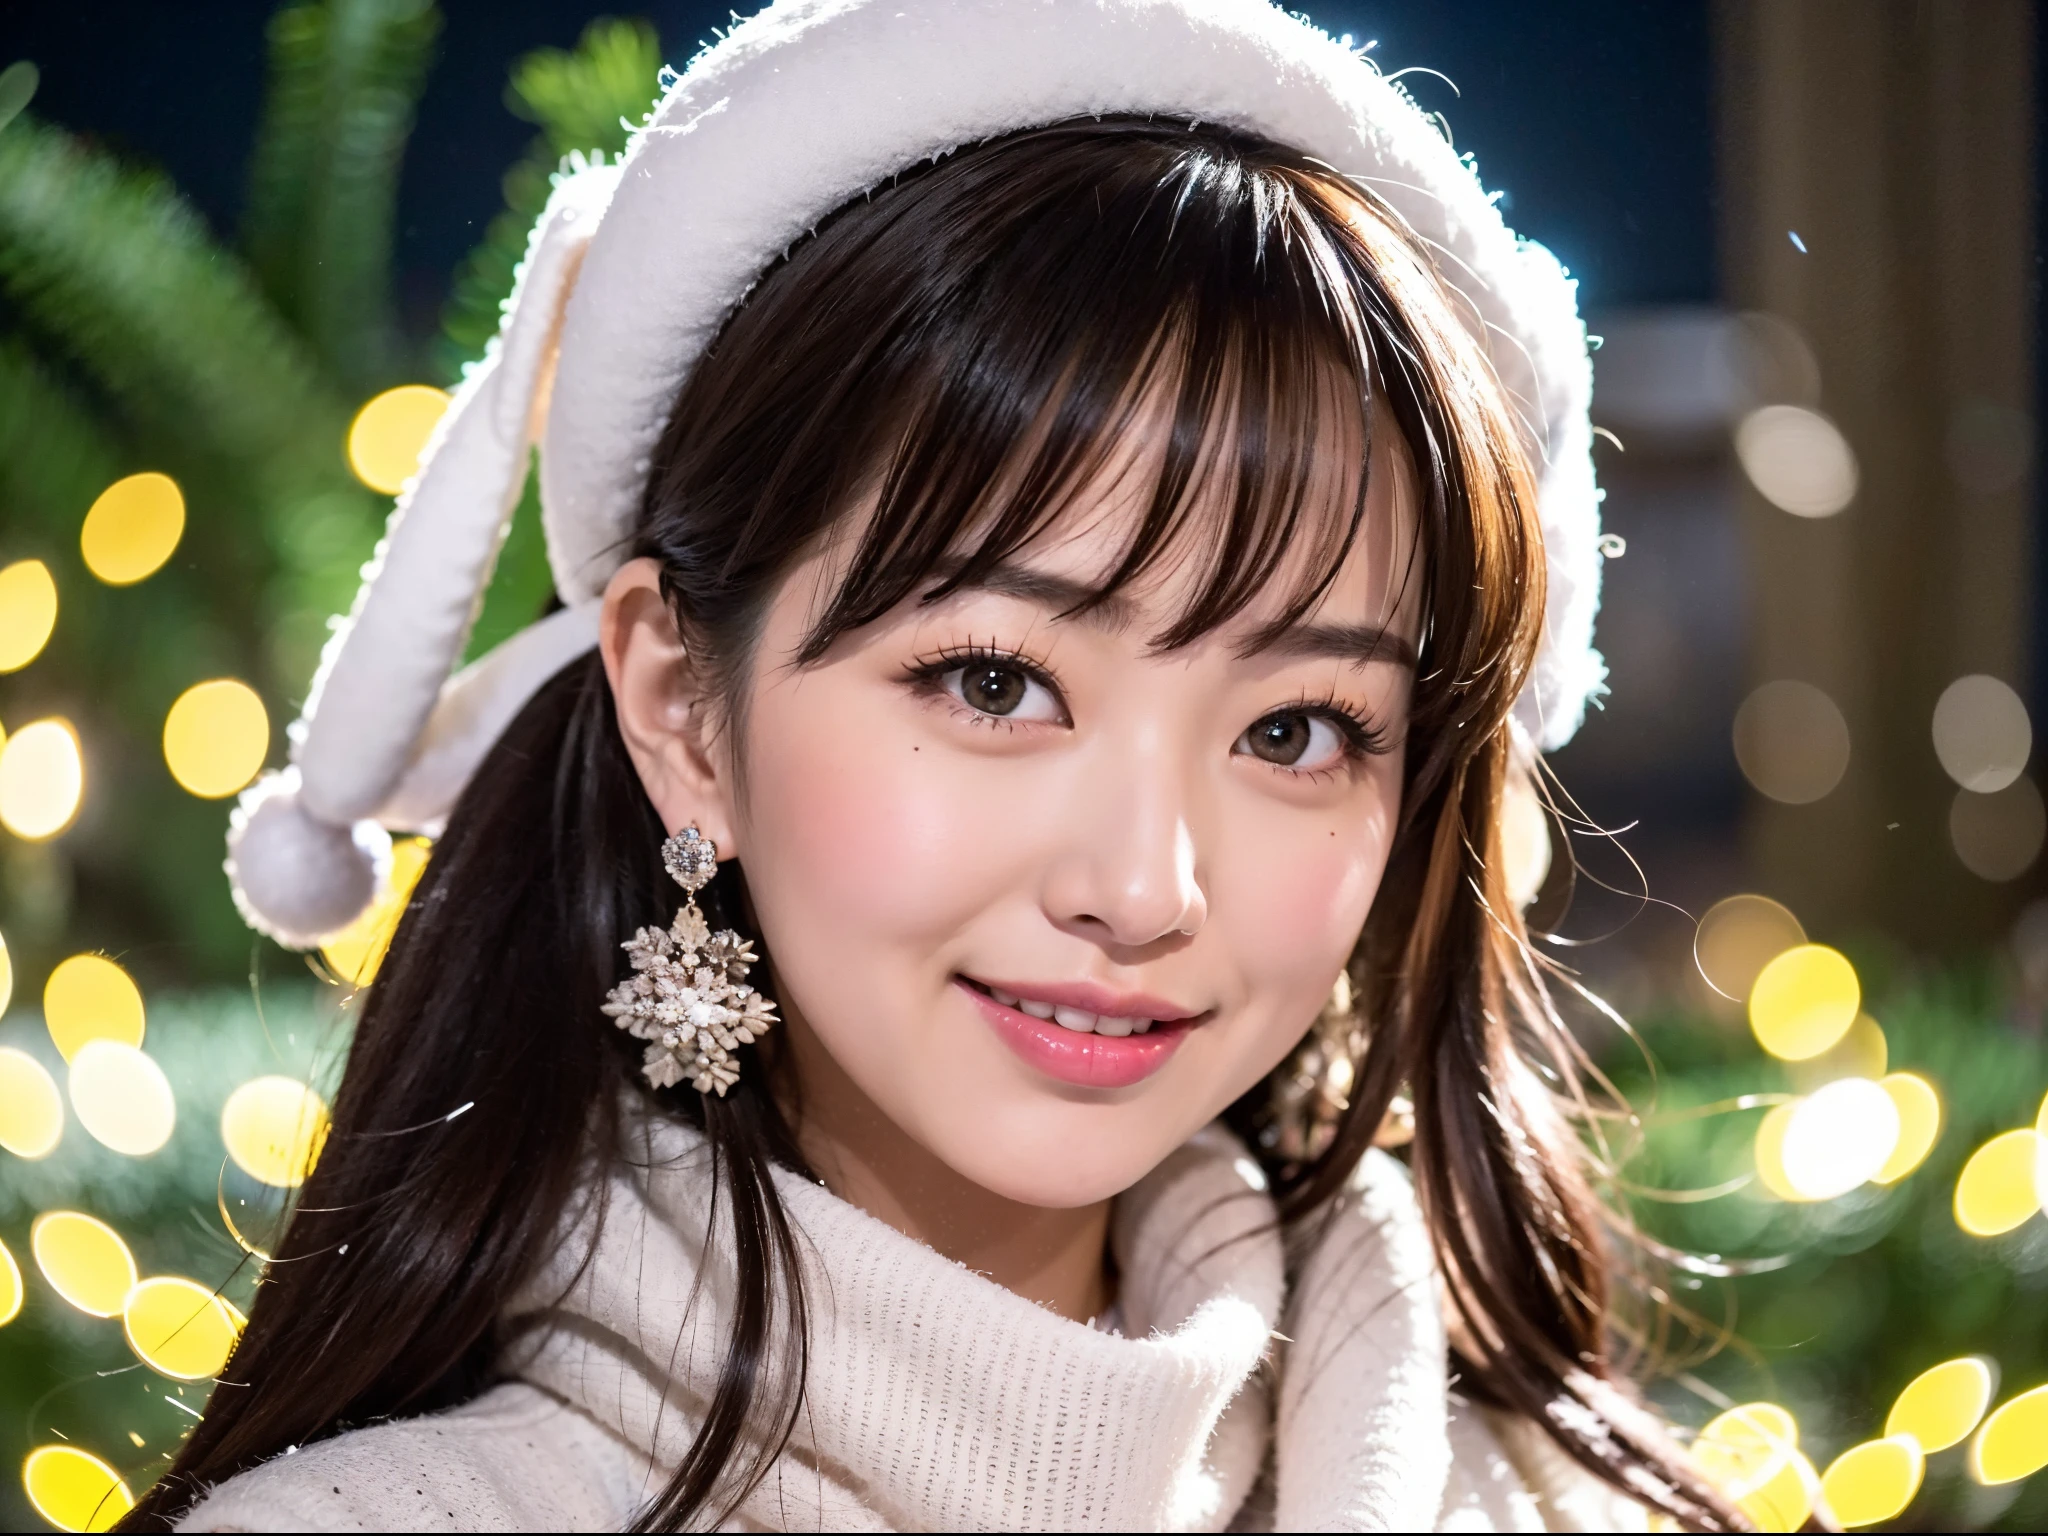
1873	1481
2041	1155
1747	1449
122	1098
1804	1001
390	432
1751	1454
1738	937
1919	1124
133	528
216	737
274	1128
1838	1137
6	973
2014	1441
31	1109
356	951
42	779
1940	1406
28	612
180	1328
84	1260
1995	1191
89	997
1770	1152
73	1489
11	1288
1785	1503
1862	1052
1766	1423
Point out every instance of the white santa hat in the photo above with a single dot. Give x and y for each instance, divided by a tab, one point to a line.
633	268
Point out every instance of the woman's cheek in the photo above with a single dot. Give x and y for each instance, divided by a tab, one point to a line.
1297	905
865	839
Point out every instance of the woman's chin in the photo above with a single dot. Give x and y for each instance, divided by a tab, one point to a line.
1037	1146
1036	1176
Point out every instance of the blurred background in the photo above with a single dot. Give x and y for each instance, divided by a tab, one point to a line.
244	248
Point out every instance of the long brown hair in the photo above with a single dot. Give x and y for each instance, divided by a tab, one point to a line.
967	343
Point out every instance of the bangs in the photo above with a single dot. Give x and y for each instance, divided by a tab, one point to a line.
1167	310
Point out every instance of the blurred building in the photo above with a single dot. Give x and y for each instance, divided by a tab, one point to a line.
1823	631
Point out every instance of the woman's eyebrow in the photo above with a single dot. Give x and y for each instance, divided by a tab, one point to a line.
1355	643
1060	595
1359	644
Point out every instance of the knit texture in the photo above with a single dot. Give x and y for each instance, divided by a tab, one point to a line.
937	1400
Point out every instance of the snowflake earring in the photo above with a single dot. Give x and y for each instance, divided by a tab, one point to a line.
687	997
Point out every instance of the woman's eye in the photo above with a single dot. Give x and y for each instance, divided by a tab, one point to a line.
1294	740
1004	690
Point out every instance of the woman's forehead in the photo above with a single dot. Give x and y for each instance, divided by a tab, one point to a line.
1363	565
1233	494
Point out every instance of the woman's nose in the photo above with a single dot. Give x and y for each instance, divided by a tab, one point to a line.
1129	874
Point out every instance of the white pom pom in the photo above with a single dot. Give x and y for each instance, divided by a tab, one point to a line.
296	878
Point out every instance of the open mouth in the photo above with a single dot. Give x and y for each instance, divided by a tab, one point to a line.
1102	1047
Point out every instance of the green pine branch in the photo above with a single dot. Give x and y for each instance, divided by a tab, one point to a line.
585	100
113	267
345	76
592	96
130	337
55	457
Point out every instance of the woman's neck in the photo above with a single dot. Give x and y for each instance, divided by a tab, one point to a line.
1053	1257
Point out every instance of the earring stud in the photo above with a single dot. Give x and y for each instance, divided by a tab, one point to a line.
687	996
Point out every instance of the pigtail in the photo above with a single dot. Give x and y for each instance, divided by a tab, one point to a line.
482	1091
753	1410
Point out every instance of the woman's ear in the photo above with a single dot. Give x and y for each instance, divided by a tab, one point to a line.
665	715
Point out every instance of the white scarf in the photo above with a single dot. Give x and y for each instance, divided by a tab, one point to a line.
938	1400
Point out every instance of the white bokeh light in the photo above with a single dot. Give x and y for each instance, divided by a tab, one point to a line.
1797	459
1981	733
1791	741
1839	1138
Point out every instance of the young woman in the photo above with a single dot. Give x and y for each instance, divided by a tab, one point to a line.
1059	511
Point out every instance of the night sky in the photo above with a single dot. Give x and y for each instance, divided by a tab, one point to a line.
1595	116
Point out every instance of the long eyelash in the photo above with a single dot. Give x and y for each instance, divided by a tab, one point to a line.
1362	736
929	669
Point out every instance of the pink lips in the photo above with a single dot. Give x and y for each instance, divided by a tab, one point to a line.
1087	1060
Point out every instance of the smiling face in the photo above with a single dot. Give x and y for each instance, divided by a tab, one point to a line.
1048	897
1051	641
1059	804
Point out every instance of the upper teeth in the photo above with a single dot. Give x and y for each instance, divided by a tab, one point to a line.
1077	1019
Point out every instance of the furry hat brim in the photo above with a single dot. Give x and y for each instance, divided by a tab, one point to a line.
634	268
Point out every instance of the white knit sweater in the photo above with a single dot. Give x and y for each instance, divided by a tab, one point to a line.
937	1400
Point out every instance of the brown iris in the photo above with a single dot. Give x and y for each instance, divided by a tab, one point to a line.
995	690
1279	739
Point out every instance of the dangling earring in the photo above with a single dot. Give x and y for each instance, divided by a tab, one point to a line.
687	996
